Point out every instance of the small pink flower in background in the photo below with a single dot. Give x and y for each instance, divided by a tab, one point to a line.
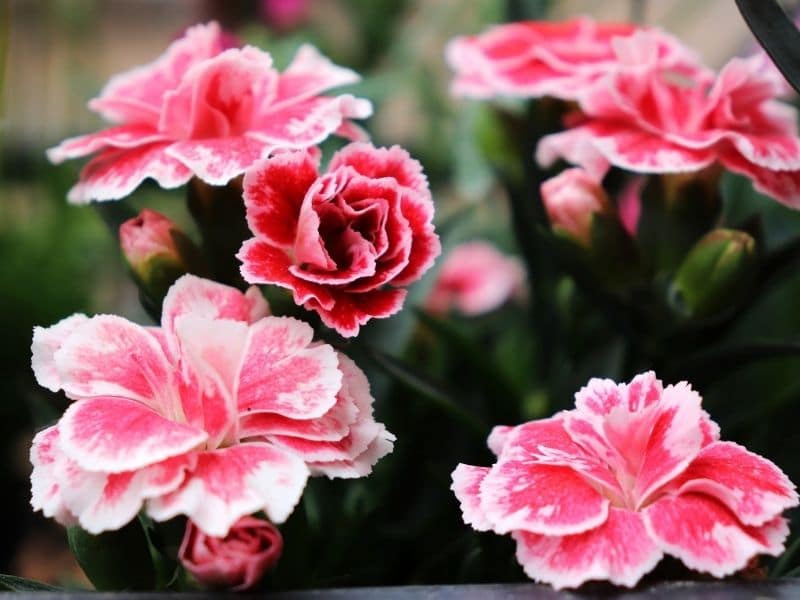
475	278
538	58
634	472
206	111
630	205
284	14
346	242
571	199
236	561
648	120
221	412
147	235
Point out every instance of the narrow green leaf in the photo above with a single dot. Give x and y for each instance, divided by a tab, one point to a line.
20	584
776	33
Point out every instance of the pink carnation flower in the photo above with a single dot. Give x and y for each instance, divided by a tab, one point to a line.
210	111
475	278
221	412
571	199
238	560
650	120
538	58
346	242
634	472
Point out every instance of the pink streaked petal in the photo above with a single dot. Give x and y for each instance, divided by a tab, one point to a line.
233	482
282	374
114	435
115	173
110	356
752	487
350	311
273	194
46	342
310	121
498	437
467	488
123	136
309	74
576	146
48	462
425	244
264	263
619	551
361	465
191	295
706	536
783	186
540	498
374	163
350	131
777	151
218	160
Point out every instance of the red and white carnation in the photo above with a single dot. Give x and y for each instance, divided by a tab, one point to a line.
635	471
221	412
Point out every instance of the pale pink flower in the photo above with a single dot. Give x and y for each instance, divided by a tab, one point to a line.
221	412
634	472
148	235
237	560
346	242
475	278
648	120
538	58
571	199
205	110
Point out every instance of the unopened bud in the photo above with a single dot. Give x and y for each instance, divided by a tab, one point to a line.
572	200
716	273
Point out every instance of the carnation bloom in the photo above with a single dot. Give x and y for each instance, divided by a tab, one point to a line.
237	560
571	200
650	120
221	412
346	242
206	110
538	58
634	472
475	278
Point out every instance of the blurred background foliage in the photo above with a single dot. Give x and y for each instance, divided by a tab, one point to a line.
440	381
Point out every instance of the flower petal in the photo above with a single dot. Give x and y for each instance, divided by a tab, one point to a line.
752	487
49	462
218	160
467	488
619	550
360	466
350	311
707	537
310	73
123	136
230	483
46	342
282	374
114	435
783	186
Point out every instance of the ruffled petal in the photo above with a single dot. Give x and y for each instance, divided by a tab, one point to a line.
46	342
123	136
49	464
467	488
310	73
218	160
350	311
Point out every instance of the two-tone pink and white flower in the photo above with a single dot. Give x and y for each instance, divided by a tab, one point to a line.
207	110
221	412
648	120
346	242
634	472
531	59
475	278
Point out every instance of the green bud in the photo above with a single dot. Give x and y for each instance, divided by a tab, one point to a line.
716	273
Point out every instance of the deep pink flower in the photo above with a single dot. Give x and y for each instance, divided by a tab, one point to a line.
649	120
237	560
284	14
475	278
204	110
346	242
538	58
571	200
148	235
634	472
219	413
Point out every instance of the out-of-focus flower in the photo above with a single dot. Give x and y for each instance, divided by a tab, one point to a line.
346	242
571	200
648	120
539	58
237	560
221	412
284	14
634	472
207	111
629	205
157	251
475	278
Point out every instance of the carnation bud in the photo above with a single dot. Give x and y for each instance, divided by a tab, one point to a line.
158	253
716	273
572	200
